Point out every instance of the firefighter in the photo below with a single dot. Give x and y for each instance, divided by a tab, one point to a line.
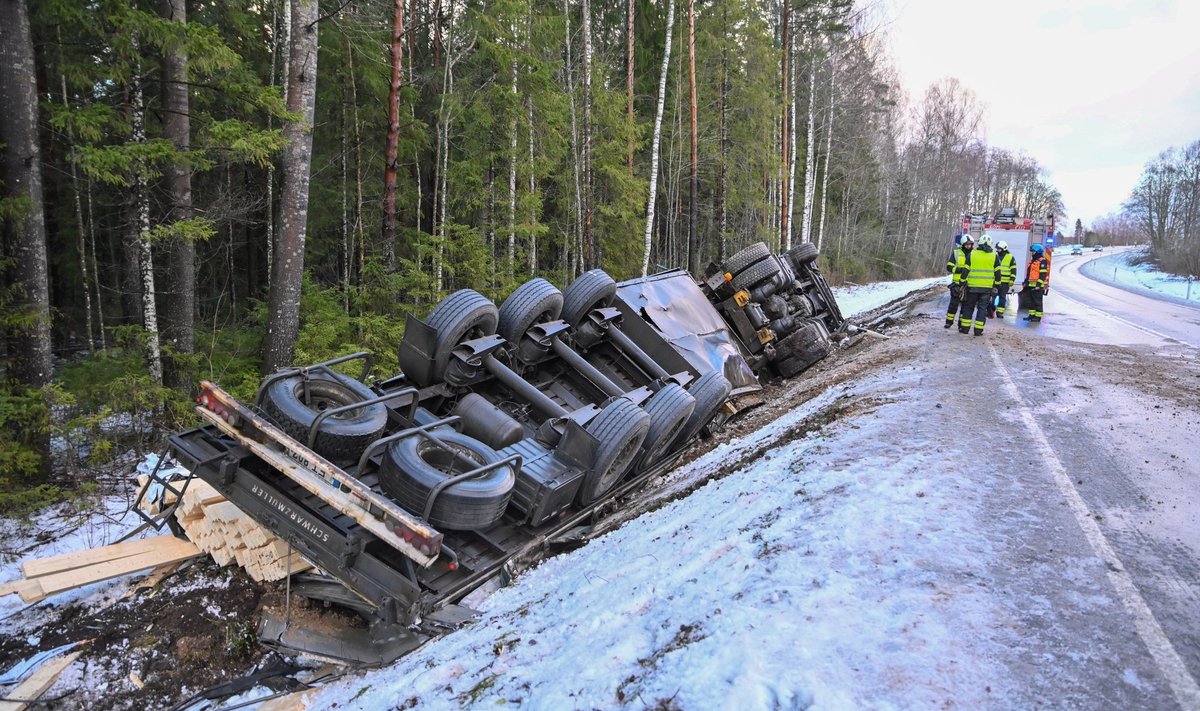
1036	281
1008	275
981	277
965	244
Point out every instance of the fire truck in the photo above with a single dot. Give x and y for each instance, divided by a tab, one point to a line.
1019	232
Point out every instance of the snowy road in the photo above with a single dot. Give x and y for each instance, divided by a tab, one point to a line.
1076	302
930	521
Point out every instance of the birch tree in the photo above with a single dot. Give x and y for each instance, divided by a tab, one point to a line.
657	141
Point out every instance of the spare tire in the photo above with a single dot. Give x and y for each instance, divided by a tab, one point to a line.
801	254
745	257
413	466
592	290
756	274
535	301
461	316
294	405
710	390
669	410
619	429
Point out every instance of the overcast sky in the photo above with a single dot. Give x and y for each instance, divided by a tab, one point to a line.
1091	89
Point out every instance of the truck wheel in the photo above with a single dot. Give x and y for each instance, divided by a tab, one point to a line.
536	301
461	316
669	410
619	429
756	274
413	466
744	258
710	390
341	438
801	254
592	290
802	348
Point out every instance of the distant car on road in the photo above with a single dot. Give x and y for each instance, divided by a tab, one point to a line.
1077	249
1098	248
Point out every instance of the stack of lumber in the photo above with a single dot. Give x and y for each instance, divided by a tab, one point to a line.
47	576
223	531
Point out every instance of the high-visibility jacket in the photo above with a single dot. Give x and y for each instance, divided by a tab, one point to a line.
1039	272
979	270
1008	268
955	255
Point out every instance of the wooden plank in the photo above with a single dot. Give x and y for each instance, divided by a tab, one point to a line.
91	556
297	701
166	553
25	588
37	683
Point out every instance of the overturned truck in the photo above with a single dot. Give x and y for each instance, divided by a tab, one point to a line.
509	431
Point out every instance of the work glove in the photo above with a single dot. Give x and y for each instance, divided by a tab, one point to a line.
995	291
1046	289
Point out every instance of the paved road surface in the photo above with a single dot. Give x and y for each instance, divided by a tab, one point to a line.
1091	422
1079	308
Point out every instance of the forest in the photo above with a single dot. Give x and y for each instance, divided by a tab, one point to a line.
199	189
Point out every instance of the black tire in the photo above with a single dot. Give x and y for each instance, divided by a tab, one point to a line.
710	390
535	301
413	466
461	316
619	429
801	254
743	258
592	290
802	348
756	274
341	438
669	410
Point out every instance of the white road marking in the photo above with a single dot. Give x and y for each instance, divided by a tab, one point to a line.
1183	684
1114	317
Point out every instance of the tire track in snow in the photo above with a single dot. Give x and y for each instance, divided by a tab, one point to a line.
1183	684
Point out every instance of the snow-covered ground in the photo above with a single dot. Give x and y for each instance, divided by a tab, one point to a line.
854	300
626	620
1118	270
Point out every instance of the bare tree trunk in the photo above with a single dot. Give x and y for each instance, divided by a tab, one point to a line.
533	235
629	36
287	269
591	254
723	137
347	226
791	159
578	232
91	233
694	186
84	272
655	143
24	226
828	150
359	236
141	229
511	252
810	178
787	93
179	321
392	153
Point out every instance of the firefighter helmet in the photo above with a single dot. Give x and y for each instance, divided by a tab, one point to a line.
984	241
966	239
1002	245
1037	249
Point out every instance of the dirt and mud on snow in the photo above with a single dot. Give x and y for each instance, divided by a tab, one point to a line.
875	445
